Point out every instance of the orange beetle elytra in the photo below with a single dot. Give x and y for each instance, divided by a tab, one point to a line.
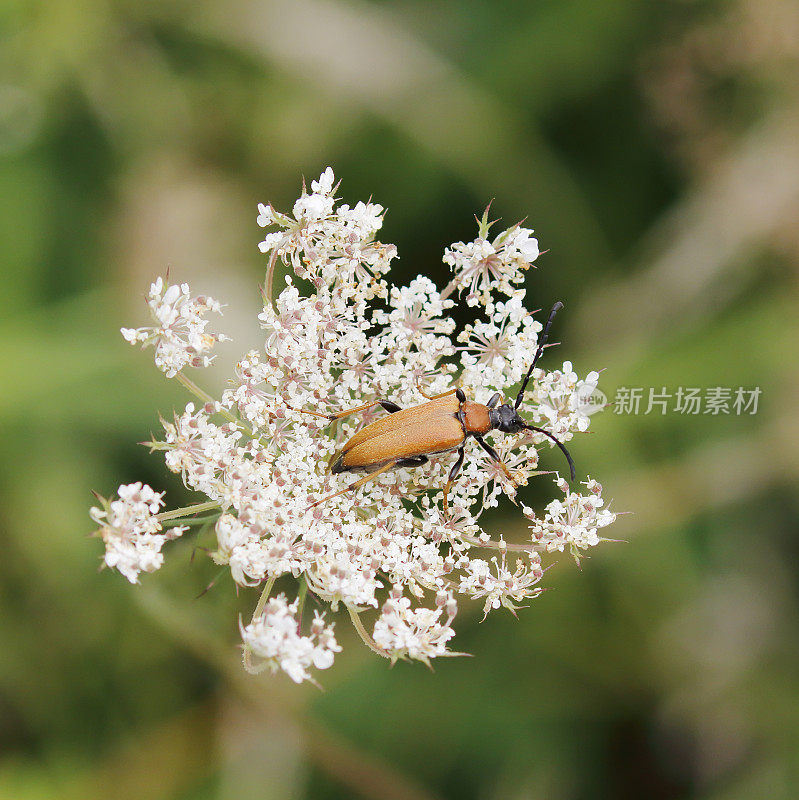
408	436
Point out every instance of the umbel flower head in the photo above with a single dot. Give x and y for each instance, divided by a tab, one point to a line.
339	336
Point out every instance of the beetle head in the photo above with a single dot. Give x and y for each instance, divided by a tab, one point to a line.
506	419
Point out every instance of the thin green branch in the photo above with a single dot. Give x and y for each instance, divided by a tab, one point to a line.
206	520
508	547
199	393
270	274
301	595
186	511
259	609
362	632
202	395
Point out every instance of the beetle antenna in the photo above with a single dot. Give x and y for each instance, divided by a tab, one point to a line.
559	444
557	307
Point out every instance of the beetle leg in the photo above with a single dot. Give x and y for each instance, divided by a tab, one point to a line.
312	413
387	405
414	461
435	396
359	482
493	454
495	398
453	473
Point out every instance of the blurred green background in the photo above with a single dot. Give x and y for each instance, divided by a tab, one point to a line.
654	147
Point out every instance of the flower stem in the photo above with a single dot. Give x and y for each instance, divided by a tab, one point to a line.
206	520
270	275
261	604
506	546
365	637
449	289
185	511
201	394
270	268
259	609
301	595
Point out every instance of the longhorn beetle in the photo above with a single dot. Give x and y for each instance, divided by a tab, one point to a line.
408	436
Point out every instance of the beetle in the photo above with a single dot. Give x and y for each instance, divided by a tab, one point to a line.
407	437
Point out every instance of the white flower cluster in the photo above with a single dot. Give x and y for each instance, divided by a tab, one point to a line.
273	641
387	548
499	585
559	401
402	631
572	522
487	266
130	530
329	246
497	350
179	334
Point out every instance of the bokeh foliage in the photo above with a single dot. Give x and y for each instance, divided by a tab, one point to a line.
653	147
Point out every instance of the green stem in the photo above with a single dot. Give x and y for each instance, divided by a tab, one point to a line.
510	548
301	595
261	604
201	520
259	609
201	394
362	632
185	511
270	275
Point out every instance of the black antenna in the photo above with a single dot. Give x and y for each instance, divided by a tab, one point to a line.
559	444
557	307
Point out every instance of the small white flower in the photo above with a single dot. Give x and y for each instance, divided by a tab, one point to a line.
131	530
492	265
498	352
274	640
179	335
330	246
572	522
416	633
325	183
364	220
557	401
265	215
313	207
501	586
